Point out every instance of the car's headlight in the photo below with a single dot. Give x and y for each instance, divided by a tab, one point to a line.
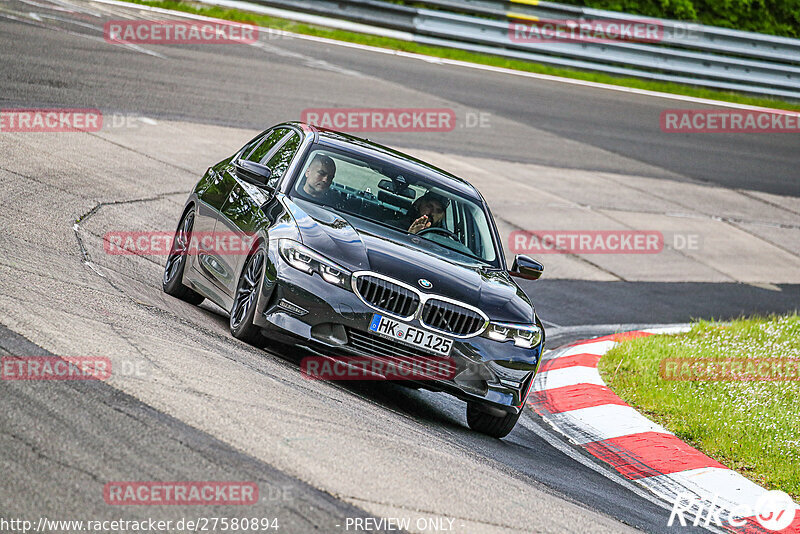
304	259
523	335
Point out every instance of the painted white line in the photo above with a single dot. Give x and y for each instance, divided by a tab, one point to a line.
548	323
312	19
591	347
94	268
309	61
568	376
732	488
74	7
603	422
46	6
33	21
476	66
582	459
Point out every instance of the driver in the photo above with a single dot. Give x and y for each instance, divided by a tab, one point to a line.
427	211
319	177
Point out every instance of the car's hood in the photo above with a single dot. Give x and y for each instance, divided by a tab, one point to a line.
359	245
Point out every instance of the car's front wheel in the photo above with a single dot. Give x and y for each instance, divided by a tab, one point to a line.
497	426
244	302
172	283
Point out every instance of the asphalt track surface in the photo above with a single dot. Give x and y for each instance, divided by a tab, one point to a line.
319	452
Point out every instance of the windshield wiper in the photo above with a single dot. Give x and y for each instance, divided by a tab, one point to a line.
469	255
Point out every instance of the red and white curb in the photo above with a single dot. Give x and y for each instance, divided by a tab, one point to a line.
570	395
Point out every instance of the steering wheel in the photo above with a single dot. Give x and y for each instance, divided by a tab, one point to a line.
440	230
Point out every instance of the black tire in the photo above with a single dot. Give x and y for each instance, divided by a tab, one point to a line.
244	301
492	425
172	282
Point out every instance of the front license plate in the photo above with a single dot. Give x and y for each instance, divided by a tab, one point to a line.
411	335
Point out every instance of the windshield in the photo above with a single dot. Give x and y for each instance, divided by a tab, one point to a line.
383	193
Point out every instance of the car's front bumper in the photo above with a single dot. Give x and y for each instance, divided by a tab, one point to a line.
333	322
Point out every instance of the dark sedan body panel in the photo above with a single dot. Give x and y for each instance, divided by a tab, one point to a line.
360	249
334	321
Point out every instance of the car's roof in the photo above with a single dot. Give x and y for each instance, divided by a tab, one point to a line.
352	143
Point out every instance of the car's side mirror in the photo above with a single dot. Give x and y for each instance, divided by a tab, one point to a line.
525	267
253	172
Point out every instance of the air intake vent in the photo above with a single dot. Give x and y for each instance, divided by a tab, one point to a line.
451	318
378	347
387	296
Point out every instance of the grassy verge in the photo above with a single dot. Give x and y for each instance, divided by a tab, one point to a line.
753	427
450	53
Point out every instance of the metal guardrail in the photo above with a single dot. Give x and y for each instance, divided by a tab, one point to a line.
684	53
676	33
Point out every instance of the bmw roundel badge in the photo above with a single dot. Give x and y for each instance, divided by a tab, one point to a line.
424	283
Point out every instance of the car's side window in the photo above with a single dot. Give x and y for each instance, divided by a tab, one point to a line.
466	231
250	146
280	161
268	142
449	216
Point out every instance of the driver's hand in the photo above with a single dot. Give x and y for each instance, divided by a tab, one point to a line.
419	224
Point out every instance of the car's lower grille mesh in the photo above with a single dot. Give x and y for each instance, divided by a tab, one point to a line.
451	318
387	296
410	362
385	349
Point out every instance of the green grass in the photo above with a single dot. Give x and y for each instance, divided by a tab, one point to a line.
753	427
450	53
